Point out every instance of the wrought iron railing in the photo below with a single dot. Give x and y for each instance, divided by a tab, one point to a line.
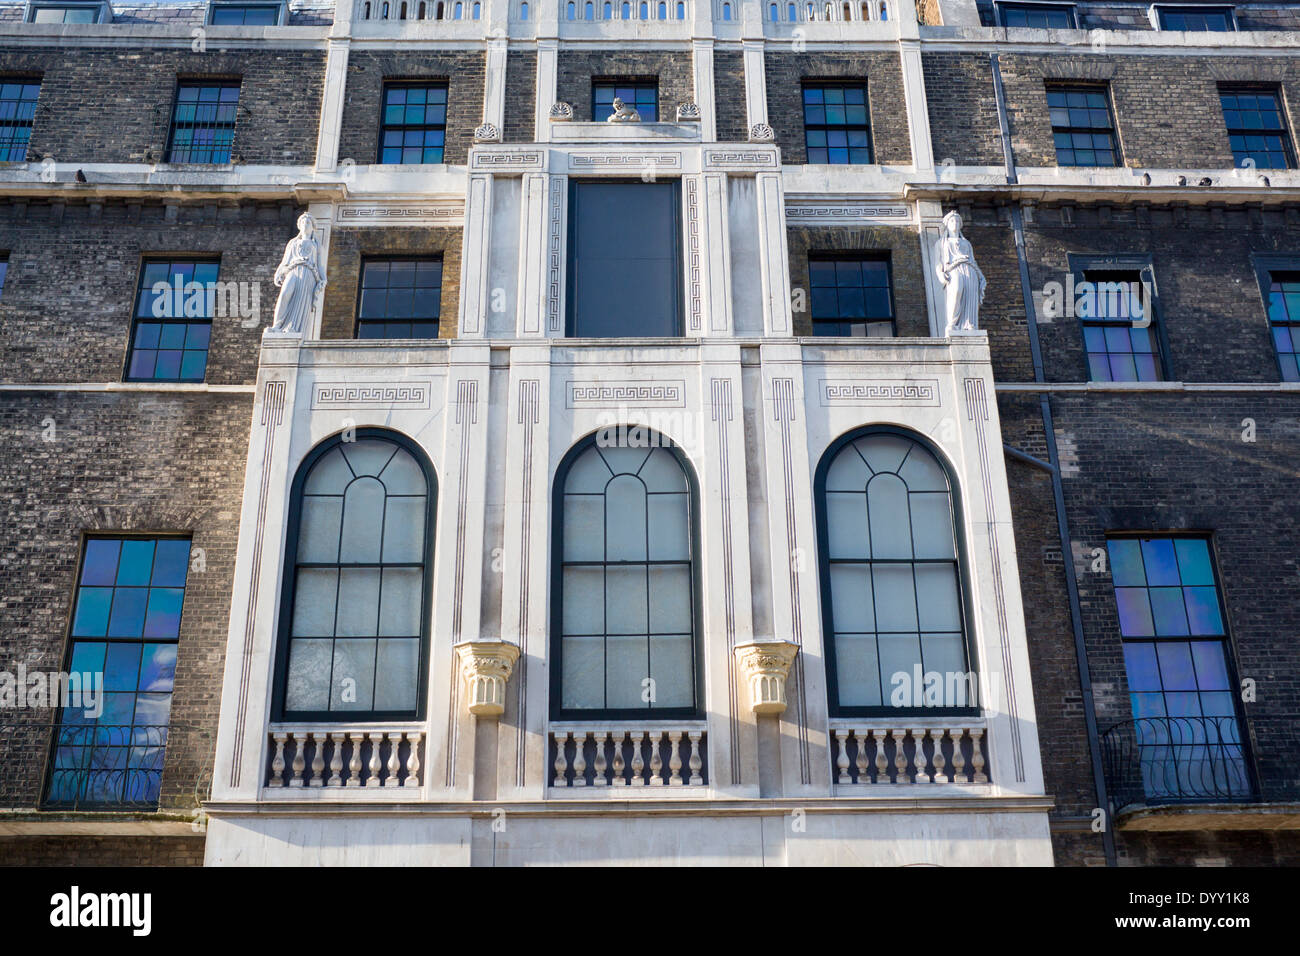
1162	760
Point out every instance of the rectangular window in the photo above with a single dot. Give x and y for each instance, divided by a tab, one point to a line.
173	321
851	295
837	130
125	627
1197	19
1256	127
642	96
1039	16
1284	321
400	299
66	13
4	271
1119	331
245	15
1082	128
625	265
1181	687
17	108
203	124
414	125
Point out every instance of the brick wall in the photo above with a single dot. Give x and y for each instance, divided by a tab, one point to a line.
521	96
279	100
462	71
729	95
349	246
786	73
76	268
962	108
673	70
82	851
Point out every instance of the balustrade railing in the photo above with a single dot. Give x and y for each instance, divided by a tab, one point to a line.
812	11
367	757
628	755
1160	760
875	754
412	10
580	10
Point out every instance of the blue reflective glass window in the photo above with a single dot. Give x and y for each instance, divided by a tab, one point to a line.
203	122
413	121
17	110
837	127
1284	321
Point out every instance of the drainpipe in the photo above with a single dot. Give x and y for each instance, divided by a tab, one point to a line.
1053	467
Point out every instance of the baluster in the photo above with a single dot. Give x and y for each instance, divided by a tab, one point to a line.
413	761
299	761
900	756
697	758
375	765
958	758
277	762
638	761
561	762
977	755
600	764
919	758
317	761
394	763
354	761
675	758
619	766
656	761
336	760
882	762
579	760
864	775
842	759
937	737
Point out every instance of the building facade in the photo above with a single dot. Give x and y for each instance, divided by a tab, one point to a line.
518	432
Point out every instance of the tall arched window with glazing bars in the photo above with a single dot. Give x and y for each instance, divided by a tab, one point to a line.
893	597
354	625
625	624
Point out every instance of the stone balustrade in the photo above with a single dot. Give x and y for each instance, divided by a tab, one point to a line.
909	753
363	755
633	754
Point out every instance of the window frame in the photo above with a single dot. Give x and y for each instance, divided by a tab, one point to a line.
556	638
1069	8
23	79
1070	86
284	619
219	82
1157	12
279	6
409	83
1288	141
847	255
965	575
439	256
145	262
1143	264
1265	264
103	11
636	82
840	83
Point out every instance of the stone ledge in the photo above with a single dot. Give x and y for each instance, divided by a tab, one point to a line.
1211	816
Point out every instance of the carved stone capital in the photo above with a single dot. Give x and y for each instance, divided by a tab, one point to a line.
561	112
761	133
486	666
487	133
688	113
766	664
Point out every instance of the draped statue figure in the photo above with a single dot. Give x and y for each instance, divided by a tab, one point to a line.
300	279
961	278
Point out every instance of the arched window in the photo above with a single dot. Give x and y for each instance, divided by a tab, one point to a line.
607	11
588	11
475	10
626	601
626	11
402	12
771	12
457	9
681	10
354	627
569	11
892	595
523	11
790	13
726	11
663	10
645	10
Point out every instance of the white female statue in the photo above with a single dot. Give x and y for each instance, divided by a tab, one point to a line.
300	280
960	277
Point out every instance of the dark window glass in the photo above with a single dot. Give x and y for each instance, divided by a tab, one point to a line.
173	321
642	97
65	15
1256	128
125	626
356	622
624	259
400	299
1284	321
1176	656
837	130
891	581
1119	332
17	107
626	582
1082	128
4	271
414	124
1037	17
851	296
1193	19
231	15
203	126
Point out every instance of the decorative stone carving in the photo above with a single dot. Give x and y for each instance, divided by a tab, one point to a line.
487	133
688	113
961	278
561	112
300	279
766	664
623	113
486	666
761	133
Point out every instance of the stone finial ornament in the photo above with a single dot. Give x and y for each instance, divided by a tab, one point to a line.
487	133
761	133
688	113
961	278
766	664
561	112
300	279
623	113
486	667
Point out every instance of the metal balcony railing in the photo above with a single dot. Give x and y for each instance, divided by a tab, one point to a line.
1152	761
